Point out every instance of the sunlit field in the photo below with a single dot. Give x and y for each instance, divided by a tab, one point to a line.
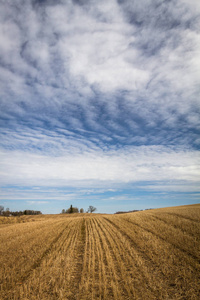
152	254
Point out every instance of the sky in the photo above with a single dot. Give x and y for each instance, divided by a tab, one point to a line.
99	104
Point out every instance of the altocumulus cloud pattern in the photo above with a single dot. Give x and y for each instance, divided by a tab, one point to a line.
99	101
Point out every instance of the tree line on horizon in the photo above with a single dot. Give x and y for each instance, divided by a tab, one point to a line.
72	210
7	212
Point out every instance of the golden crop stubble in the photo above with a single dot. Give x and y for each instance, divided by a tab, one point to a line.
99	275
136	267
132	256
21	246
56	275
174	252
169	233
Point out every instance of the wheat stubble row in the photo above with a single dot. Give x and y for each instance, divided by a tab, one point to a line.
144	255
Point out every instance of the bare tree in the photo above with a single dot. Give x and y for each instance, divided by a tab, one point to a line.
91	209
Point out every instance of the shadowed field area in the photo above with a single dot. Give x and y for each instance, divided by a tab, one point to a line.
152	254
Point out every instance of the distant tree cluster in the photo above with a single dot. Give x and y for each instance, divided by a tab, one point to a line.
72	210
8	213
126	212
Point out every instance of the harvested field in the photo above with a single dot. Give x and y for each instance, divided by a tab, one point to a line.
153	254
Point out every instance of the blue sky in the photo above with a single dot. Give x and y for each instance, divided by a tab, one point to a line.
99	104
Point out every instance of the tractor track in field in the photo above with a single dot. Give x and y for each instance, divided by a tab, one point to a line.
39	261
109	271
114	266
117	259
189	234
191	255
103	253
129	261
78	262
65	242
183	217
101	262
23	278
16	238
132	243
132	259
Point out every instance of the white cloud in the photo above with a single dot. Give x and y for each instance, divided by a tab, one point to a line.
37	202
133	165
177	187
97	52
64	51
